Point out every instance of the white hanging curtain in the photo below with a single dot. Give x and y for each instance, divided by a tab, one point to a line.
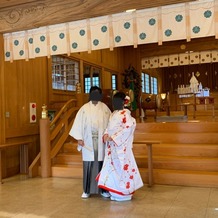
154	25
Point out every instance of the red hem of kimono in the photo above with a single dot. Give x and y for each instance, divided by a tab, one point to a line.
97	177
114	191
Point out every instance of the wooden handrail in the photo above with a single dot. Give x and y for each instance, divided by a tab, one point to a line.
64	108
5	145
59	132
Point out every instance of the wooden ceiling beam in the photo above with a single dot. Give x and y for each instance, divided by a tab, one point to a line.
177	47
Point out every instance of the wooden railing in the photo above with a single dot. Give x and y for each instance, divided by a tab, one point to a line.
59	132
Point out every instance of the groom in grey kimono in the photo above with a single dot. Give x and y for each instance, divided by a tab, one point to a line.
88	128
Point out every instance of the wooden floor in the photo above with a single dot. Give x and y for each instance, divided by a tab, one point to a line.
61	198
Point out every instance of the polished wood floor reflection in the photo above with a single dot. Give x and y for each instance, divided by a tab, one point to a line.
22	197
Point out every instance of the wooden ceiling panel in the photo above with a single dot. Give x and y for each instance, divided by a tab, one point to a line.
17	15
14	3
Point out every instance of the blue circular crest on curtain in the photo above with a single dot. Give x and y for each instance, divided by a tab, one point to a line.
127	25
82	32
104	29
152	21
61	35
207	14
196	29
30	40
37	50
168	32
117	39
16	42
42	38
54	48
95	42
179	18
142	36
21	52
74	45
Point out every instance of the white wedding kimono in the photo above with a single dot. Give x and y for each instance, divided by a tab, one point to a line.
120	174
89	126
88	117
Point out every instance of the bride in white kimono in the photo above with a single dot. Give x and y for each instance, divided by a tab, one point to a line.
120	174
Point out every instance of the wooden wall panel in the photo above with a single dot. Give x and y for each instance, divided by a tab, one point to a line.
93	57
25	82
113	59
132	57
106	80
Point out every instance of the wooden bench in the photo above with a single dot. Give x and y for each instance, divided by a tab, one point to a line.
185	108
149	144
23	155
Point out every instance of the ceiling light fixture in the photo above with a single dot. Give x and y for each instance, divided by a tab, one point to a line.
130	10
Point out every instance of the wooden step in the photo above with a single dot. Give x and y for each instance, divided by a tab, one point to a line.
68	159
183	178
200	110
186	178
160	176
179	138
169	128
67	171
194	150
70	147
180	163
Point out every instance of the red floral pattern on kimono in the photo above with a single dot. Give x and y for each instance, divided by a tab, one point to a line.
120	173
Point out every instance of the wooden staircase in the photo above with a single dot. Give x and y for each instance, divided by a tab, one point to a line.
53	136
187	155
68	163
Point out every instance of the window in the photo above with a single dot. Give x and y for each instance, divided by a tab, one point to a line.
65	73
91	77
149	84
114	81
153	85
145	83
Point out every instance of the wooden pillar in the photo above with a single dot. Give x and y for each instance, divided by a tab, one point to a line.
150	165
45	148
24	158
2	91
79	98
2	103
0	167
